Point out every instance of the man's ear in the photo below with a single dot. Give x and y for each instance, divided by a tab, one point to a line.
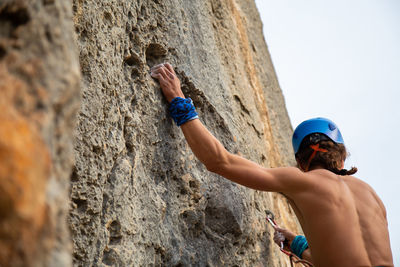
342	165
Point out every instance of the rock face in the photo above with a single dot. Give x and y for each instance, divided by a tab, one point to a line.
139	196
39	88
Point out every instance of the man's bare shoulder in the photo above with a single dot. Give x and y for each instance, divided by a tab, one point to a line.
353	181
292	174
360	188
330	179
320	180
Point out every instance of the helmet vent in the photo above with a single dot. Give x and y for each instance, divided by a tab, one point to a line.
315	138
331	126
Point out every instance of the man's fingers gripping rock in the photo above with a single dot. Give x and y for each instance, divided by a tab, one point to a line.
170	68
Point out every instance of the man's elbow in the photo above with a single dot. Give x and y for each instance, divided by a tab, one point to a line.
218	165
212	167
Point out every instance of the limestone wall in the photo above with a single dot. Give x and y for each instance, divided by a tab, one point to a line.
119	174
139	195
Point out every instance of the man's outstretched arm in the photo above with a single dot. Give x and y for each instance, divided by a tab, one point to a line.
237	169
216	158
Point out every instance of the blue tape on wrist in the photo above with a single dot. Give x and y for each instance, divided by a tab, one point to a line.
299	244
182	110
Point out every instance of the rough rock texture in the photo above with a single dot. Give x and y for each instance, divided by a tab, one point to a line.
39	100
139	196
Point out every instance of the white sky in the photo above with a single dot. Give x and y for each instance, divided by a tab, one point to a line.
341	60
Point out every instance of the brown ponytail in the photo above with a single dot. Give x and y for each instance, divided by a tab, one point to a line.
344	172
331	159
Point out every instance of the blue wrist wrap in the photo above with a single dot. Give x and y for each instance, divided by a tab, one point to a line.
299	244
182	110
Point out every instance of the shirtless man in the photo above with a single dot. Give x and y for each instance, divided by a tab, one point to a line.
372	218
342	217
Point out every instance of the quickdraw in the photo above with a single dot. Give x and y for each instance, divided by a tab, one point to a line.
293	258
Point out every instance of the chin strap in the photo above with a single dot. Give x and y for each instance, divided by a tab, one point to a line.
316	149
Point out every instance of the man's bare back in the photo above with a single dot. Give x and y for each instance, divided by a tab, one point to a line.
373	222
344	221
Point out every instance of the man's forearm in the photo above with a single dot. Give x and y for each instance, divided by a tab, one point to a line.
204	145
307	255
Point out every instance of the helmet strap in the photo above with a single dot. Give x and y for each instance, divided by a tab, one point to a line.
316	149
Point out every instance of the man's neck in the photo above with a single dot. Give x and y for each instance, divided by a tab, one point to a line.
317	167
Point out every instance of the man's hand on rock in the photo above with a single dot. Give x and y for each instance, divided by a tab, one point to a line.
169	82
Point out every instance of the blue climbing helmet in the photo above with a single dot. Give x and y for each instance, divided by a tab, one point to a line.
317	125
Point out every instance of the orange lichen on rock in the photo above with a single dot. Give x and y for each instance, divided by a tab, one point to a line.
24	171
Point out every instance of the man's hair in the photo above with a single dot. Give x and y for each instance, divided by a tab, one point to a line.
330	160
